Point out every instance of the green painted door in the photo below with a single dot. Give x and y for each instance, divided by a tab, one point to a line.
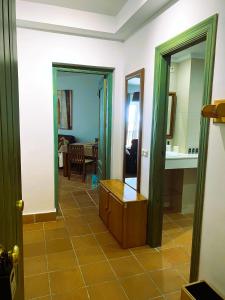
10	178
102	129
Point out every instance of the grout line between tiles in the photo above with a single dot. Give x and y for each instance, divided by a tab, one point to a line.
180	274
114	273
117	278
78	265
147	273
90	197
46	259
171	293
39	298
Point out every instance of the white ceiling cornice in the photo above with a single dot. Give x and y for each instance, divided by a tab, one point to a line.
83	23
105	7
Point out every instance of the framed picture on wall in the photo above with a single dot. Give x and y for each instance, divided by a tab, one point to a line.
65	98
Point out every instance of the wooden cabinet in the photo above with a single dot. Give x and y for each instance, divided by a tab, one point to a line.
124	212
103	204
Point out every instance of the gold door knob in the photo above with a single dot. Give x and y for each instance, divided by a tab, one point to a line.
2	250
14	254
20	205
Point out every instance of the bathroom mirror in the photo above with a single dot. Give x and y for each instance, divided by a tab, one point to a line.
134	84
171	115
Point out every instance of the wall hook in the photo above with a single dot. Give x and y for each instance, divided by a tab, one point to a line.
215	111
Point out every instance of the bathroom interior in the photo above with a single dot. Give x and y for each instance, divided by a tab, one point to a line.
183	130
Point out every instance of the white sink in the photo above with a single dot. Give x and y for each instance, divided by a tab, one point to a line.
176	160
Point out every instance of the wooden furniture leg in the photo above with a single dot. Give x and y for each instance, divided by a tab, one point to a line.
84	172
69	170
65	164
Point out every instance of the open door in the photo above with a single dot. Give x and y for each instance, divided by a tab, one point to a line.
105	123
102	128
10	179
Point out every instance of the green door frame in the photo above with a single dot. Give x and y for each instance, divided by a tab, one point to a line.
204	31
108	74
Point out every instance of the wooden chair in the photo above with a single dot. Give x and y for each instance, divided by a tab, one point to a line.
76	159
95	156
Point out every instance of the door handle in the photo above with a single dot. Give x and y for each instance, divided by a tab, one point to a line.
8	261
20	205
14	254
2	250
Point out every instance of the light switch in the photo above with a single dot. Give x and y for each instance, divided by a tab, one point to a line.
144	152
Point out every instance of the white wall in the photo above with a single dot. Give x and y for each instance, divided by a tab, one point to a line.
85	104
189	190
139	52
195	102
183	70
36	52
186	80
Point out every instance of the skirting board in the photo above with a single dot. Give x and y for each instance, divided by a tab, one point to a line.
41	217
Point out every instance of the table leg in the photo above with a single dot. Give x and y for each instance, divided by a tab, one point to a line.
65	164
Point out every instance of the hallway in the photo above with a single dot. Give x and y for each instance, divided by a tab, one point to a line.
76	257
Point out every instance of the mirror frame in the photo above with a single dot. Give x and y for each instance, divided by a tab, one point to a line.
172	114
140	73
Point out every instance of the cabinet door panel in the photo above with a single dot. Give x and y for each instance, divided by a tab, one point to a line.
115	218
103	204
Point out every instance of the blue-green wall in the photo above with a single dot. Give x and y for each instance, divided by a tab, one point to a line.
85	104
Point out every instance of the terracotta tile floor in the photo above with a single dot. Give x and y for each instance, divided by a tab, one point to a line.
76	258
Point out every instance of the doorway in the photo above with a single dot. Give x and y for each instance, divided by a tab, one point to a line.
101	139
204	31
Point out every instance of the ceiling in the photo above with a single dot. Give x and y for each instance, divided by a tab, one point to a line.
105	19
106	7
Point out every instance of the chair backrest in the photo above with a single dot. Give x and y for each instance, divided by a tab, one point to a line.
76	154
95	152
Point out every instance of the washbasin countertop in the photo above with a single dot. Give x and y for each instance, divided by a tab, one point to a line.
178	155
